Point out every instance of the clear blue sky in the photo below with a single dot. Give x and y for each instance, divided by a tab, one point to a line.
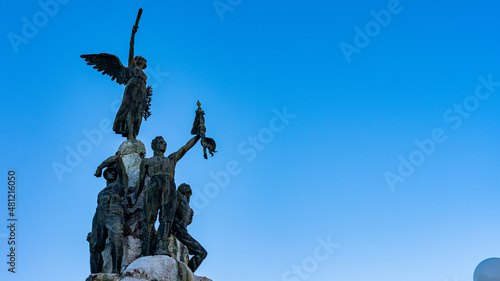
392	153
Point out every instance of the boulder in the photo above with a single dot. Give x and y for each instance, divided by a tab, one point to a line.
152	268
159	268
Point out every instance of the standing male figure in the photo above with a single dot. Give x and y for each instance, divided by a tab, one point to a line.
183	218
160	194
109	216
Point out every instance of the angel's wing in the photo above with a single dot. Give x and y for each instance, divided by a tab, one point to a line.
109	64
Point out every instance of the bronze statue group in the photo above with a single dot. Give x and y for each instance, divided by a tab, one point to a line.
160	192
160	195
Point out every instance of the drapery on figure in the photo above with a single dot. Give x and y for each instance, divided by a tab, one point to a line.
109	217
183	218
136	99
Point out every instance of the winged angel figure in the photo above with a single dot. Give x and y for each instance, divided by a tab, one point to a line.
136	99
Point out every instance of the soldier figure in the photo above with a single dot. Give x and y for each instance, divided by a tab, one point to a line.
184	217
160	194
109	216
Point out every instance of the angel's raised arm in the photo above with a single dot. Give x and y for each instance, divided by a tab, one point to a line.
131	51
132	39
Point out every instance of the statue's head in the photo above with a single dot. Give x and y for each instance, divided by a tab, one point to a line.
141	62
110	174
185	189
159	144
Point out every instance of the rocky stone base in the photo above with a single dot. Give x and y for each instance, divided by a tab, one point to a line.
132	248
131	251
177	250
152	268
103	277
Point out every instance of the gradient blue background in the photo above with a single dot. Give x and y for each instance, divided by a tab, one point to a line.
321	176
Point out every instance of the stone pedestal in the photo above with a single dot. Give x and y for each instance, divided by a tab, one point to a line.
152	268
177	250
103	277
132	250
132	152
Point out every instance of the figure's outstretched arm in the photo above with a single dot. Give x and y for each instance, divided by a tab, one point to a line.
106	163
182	151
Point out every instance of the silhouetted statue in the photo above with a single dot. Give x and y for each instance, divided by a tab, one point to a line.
160	194
183	218
137	97
109	216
